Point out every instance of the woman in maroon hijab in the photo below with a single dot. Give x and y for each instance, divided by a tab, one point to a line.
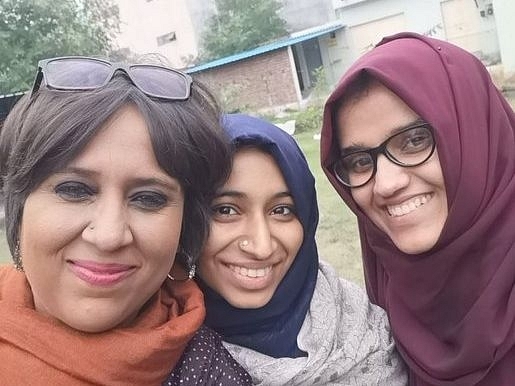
421	146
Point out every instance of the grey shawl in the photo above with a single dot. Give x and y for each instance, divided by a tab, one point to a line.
347	340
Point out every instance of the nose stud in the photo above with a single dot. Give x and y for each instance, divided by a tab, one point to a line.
243	244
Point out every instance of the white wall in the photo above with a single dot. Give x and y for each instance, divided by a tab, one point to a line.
303	14
504	11
467	28
422	16
143	21
336	55
458	21
368	21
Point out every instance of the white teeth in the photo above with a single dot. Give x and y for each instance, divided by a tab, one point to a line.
250	272
407	206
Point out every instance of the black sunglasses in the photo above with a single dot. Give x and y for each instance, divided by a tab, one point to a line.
78	73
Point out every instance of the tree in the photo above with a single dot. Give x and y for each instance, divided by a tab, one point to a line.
240	25
31	30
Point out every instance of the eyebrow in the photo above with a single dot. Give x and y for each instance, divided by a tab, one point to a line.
138	181
360	147
238	194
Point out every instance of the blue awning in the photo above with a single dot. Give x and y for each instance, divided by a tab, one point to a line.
294	38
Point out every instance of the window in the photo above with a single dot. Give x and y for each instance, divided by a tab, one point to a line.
166	38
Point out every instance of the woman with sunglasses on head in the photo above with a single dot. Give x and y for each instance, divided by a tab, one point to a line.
286	317
107	177
421	146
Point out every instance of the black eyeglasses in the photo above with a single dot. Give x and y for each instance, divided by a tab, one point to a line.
410	147
78	73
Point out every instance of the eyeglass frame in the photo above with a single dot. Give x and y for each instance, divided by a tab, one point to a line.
115	67
382	149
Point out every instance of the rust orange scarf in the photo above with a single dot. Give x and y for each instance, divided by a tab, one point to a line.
35	349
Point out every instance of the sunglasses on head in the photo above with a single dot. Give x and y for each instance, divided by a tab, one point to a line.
78	73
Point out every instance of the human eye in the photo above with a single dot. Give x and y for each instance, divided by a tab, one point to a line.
224	212
148	200
285	211
416	140
358	163
73	191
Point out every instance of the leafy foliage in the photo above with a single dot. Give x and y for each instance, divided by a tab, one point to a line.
240	25
309	119
31	30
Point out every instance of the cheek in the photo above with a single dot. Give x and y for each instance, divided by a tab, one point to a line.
45	227
436	174
362	196
160	237
218	239
295	237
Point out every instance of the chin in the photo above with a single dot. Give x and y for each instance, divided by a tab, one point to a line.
92	327
245	303
413	247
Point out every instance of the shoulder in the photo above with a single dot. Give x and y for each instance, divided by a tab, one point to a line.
330	281
350	303
347	336
9	278
5	271
205	361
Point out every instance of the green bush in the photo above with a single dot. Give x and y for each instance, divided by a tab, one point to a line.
309	120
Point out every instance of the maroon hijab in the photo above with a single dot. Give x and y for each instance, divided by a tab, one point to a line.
452	309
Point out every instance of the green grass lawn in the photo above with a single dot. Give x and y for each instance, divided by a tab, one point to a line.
337	236
337	231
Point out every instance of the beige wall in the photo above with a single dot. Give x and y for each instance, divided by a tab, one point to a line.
365	36
143	21
465	27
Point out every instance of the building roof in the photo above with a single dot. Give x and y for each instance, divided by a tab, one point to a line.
294	38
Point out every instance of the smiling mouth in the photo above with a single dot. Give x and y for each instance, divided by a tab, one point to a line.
250	272
102	275
408	206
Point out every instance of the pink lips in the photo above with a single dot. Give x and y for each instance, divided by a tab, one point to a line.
99	274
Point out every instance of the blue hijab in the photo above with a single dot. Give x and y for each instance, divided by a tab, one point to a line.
273	328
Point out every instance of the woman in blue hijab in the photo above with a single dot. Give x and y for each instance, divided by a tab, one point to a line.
284	315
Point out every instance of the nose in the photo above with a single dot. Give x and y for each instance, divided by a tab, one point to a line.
261	242
389	177
108	229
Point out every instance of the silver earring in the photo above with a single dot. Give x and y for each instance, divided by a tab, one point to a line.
186	259
243	244
191	274
18	264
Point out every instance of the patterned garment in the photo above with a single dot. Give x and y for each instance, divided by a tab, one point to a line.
347	340
206	362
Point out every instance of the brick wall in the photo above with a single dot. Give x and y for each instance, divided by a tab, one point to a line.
258	83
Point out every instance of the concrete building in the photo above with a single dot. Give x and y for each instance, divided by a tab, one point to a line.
483	27
173	28
303	14
504	15
168	27
273	76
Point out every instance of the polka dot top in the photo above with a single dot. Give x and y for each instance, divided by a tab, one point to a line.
205	361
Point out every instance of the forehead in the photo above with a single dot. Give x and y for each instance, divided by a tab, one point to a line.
255	170
122	148
372	117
